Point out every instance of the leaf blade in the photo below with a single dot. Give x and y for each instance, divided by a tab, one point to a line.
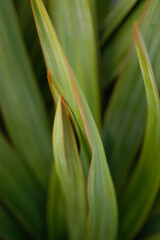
21	103
73	24
19	193
9	229
69	171
123	130
146	170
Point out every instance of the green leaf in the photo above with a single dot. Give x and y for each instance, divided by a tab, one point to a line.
152	237
69	172
56	62
9	229
118	45
19	194
21	104
123	130
92	4
103	7
102	201
102	219
54	56
144	183
23	8
152	225
114	17
73	24
56	219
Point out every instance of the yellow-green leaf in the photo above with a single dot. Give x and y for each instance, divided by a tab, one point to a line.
69	172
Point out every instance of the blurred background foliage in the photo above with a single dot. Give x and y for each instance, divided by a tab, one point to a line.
27	111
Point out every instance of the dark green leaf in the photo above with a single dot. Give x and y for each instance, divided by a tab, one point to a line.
144	183
115	17
126	115
114	52
21	103
19	193
9	229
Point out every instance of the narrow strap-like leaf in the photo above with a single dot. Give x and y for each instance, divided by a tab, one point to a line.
102	220
123	130
54	56
23	8
19	193
118	45
69	171
73	24
21	104
56	63
144	183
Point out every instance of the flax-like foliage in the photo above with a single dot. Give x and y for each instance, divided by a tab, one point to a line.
96	174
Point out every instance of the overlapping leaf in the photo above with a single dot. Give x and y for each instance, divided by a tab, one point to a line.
115	17
144	183
70	174
123	130
19	193
21	104
102	220
56	62
54	57
118	45
73	24
103	216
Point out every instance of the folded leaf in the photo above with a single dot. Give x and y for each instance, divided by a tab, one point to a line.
56	62
102	201
69	172
19	193
21	104
144	183
54	56
73	24
103	216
